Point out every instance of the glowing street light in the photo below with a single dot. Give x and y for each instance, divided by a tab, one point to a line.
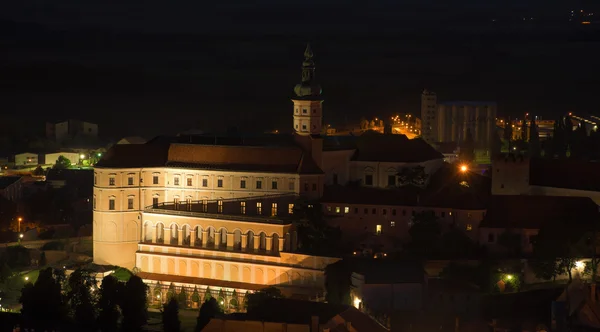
81	156
509	277
464	168
579	265
26	278
21	236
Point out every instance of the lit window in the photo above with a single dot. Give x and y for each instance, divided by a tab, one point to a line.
243	207
258	208
450	213
392	224
111	181
290	208
469	227
273	209
243	184
337	209
130	181
219	206
130	203
220	183
189	182
155	179
347	209
378	229
205	182
111	204
176	181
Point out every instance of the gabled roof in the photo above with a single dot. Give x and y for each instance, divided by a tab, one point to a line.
393	148
532	212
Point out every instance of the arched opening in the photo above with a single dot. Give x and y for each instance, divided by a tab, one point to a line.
160	233
287	242
210	241
237	239
250	240
198	235
263	241
148	231
223	237
275	247
174	234
185	232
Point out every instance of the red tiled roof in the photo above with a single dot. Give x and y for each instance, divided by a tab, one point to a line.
565	173
525	211
246	158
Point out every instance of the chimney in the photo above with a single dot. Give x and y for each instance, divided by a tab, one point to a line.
314	324
593	292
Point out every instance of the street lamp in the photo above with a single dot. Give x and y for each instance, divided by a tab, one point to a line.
464	168
19	227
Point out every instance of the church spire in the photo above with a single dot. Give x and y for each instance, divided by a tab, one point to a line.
308	88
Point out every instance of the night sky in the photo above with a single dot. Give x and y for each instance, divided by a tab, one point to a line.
148	67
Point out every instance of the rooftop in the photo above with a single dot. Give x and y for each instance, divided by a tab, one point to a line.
7	181
565	173
532	212
372	146
163	153
444	191
468	103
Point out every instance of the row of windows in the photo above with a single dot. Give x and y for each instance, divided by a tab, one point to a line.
384	212
130	204
204	182
378	228
305	111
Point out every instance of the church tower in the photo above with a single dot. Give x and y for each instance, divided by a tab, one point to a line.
308	111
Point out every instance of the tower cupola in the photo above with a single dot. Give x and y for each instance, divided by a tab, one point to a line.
308	112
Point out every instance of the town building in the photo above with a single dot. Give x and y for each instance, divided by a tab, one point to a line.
525	215
450	121
26	159
11	187
210	213
70	129
520	175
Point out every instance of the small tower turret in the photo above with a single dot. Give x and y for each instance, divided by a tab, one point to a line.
308	112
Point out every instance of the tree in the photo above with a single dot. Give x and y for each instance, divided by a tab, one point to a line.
256	299
534	140
415	176
134	304
560	242
182	298
425	234
456	244
81	300
207	294
467	148
314	235
524	131
43	261
62	163
108	316
43	303
5	271
170	316
38	171
338	283
209	309
511	241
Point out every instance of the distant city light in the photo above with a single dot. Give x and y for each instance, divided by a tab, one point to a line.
509	276
82	156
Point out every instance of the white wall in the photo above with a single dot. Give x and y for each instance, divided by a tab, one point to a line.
26	159
52	157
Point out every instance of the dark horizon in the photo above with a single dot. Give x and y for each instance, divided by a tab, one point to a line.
136	82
